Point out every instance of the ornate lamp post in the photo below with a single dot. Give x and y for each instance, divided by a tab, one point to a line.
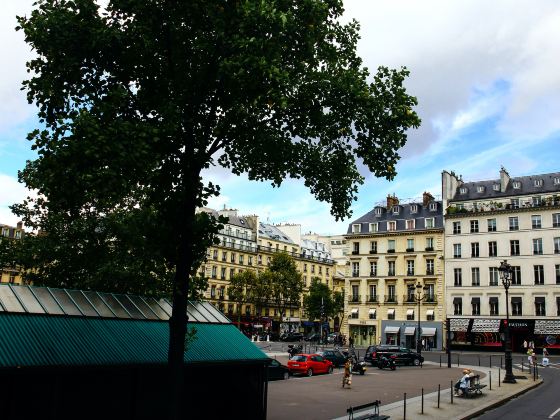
419	297
505	274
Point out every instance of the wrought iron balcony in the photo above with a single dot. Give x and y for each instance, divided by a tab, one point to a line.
372	298
390	299
354	298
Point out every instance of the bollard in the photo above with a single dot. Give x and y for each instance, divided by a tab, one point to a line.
439	392
457	360
490	361
451	392
422	401
521	364
490	378
440	360
501	361
499	378
404	406
479	360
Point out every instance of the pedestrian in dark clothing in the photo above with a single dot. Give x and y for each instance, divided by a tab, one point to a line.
351	341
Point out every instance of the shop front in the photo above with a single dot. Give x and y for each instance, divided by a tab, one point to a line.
290	324
405	334
364	332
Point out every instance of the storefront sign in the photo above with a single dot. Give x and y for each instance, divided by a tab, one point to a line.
290	319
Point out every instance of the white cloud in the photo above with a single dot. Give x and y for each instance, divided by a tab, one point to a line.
11	192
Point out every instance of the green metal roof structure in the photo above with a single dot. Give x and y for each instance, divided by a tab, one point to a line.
42	327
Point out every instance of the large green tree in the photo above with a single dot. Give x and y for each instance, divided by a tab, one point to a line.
287	283
135	101
319	302
239	290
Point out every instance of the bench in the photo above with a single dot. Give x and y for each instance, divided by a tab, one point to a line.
475	387
354	415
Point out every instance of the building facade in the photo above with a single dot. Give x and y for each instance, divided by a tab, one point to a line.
393	249
11	274
510	218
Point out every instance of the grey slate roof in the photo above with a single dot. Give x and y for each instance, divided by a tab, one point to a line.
272	232
405	214
233	220
527	187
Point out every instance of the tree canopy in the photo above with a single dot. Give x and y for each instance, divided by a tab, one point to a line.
320	302
136	100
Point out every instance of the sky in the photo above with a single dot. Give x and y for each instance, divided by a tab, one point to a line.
486	76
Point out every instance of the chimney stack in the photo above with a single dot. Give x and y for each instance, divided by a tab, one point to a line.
504	179
427	198
20	225
392	201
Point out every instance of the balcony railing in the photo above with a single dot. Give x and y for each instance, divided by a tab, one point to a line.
373	251
373	273
408	298
372	298
429	271
429	248
409	249
391	273
390	251
390	299
410	272
354	298
481	208
431	300
355	274
355	252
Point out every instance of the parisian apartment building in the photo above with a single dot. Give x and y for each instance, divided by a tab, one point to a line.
394	285
510	218
11	274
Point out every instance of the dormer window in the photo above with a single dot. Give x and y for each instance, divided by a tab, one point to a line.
433	206
463	190
374	227
391	226
396	209
516	185
537	182
480	189
496	187
413	208
356	228
378	211
556	181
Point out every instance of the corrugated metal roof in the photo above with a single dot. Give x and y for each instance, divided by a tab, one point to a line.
36	340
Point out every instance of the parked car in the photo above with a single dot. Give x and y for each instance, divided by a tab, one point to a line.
277	370
403	355
333	338
335	356
309	364
291	337
313	337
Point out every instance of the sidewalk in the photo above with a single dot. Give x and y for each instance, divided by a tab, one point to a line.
462	408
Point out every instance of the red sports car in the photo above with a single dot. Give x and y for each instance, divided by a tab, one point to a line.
309	364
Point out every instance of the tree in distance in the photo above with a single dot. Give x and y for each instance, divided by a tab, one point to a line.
137	99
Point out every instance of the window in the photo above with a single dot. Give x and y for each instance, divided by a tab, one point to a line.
430	294
430	267
372	293
396	209
357	228
516	306
492	249
391	268
493	303
391	245
374	227
514	247
224	255
214	272
231	273
475	276
215	254
410	224
516	185
493	276
213	292
313	269
458	277
462	190
537	201
515	275
513	223
557	245
373	247
327	271
514	203
355	248
456	228
475	304
391	314
410	268
250	260
537	246
433	206
429	222
378	211
556	181
429	244
491	225
355	293
496	187
413	208
474	226
356	269
557	271
480	189
392	226
538	182
373	268
540	309
457	306
556	220
410	315
222	292
536	221
456	250
223	273
474	250
410	245
259	259
304	267
241	258
391	295
232	257
538	274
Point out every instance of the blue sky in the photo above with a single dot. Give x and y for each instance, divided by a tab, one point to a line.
485	75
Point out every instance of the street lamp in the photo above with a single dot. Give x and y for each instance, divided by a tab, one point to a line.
505	274
419	298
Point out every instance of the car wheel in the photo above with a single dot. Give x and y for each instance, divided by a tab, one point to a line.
330	369
416	362
286	375
309	372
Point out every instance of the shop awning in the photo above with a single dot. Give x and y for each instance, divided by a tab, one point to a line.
493	299
392	330
547	327
354	310
409	330
409	312
390	312
430	312
372	311
457	300
459	324
539	299
486	325
428	332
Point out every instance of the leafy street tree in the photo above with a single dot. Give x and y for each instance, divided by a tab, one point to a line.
319	302
239	290
260	293
287	283
135	101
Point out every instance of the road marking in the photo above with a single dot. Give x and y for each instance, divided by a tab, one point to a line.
553	414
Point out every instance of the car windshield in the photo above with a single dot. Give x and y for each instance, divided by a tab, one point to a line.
299	358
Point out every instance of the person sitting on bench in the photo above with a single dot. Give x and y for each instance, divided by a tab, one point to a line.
463	383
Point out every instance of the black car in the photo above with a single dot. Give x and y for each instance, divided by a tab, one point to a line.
336	357
277	370
403	355
314	337
292	337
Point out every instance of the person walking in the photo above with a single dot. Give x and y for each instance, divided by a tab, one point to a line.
545	360
525	346
347	377
351	341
